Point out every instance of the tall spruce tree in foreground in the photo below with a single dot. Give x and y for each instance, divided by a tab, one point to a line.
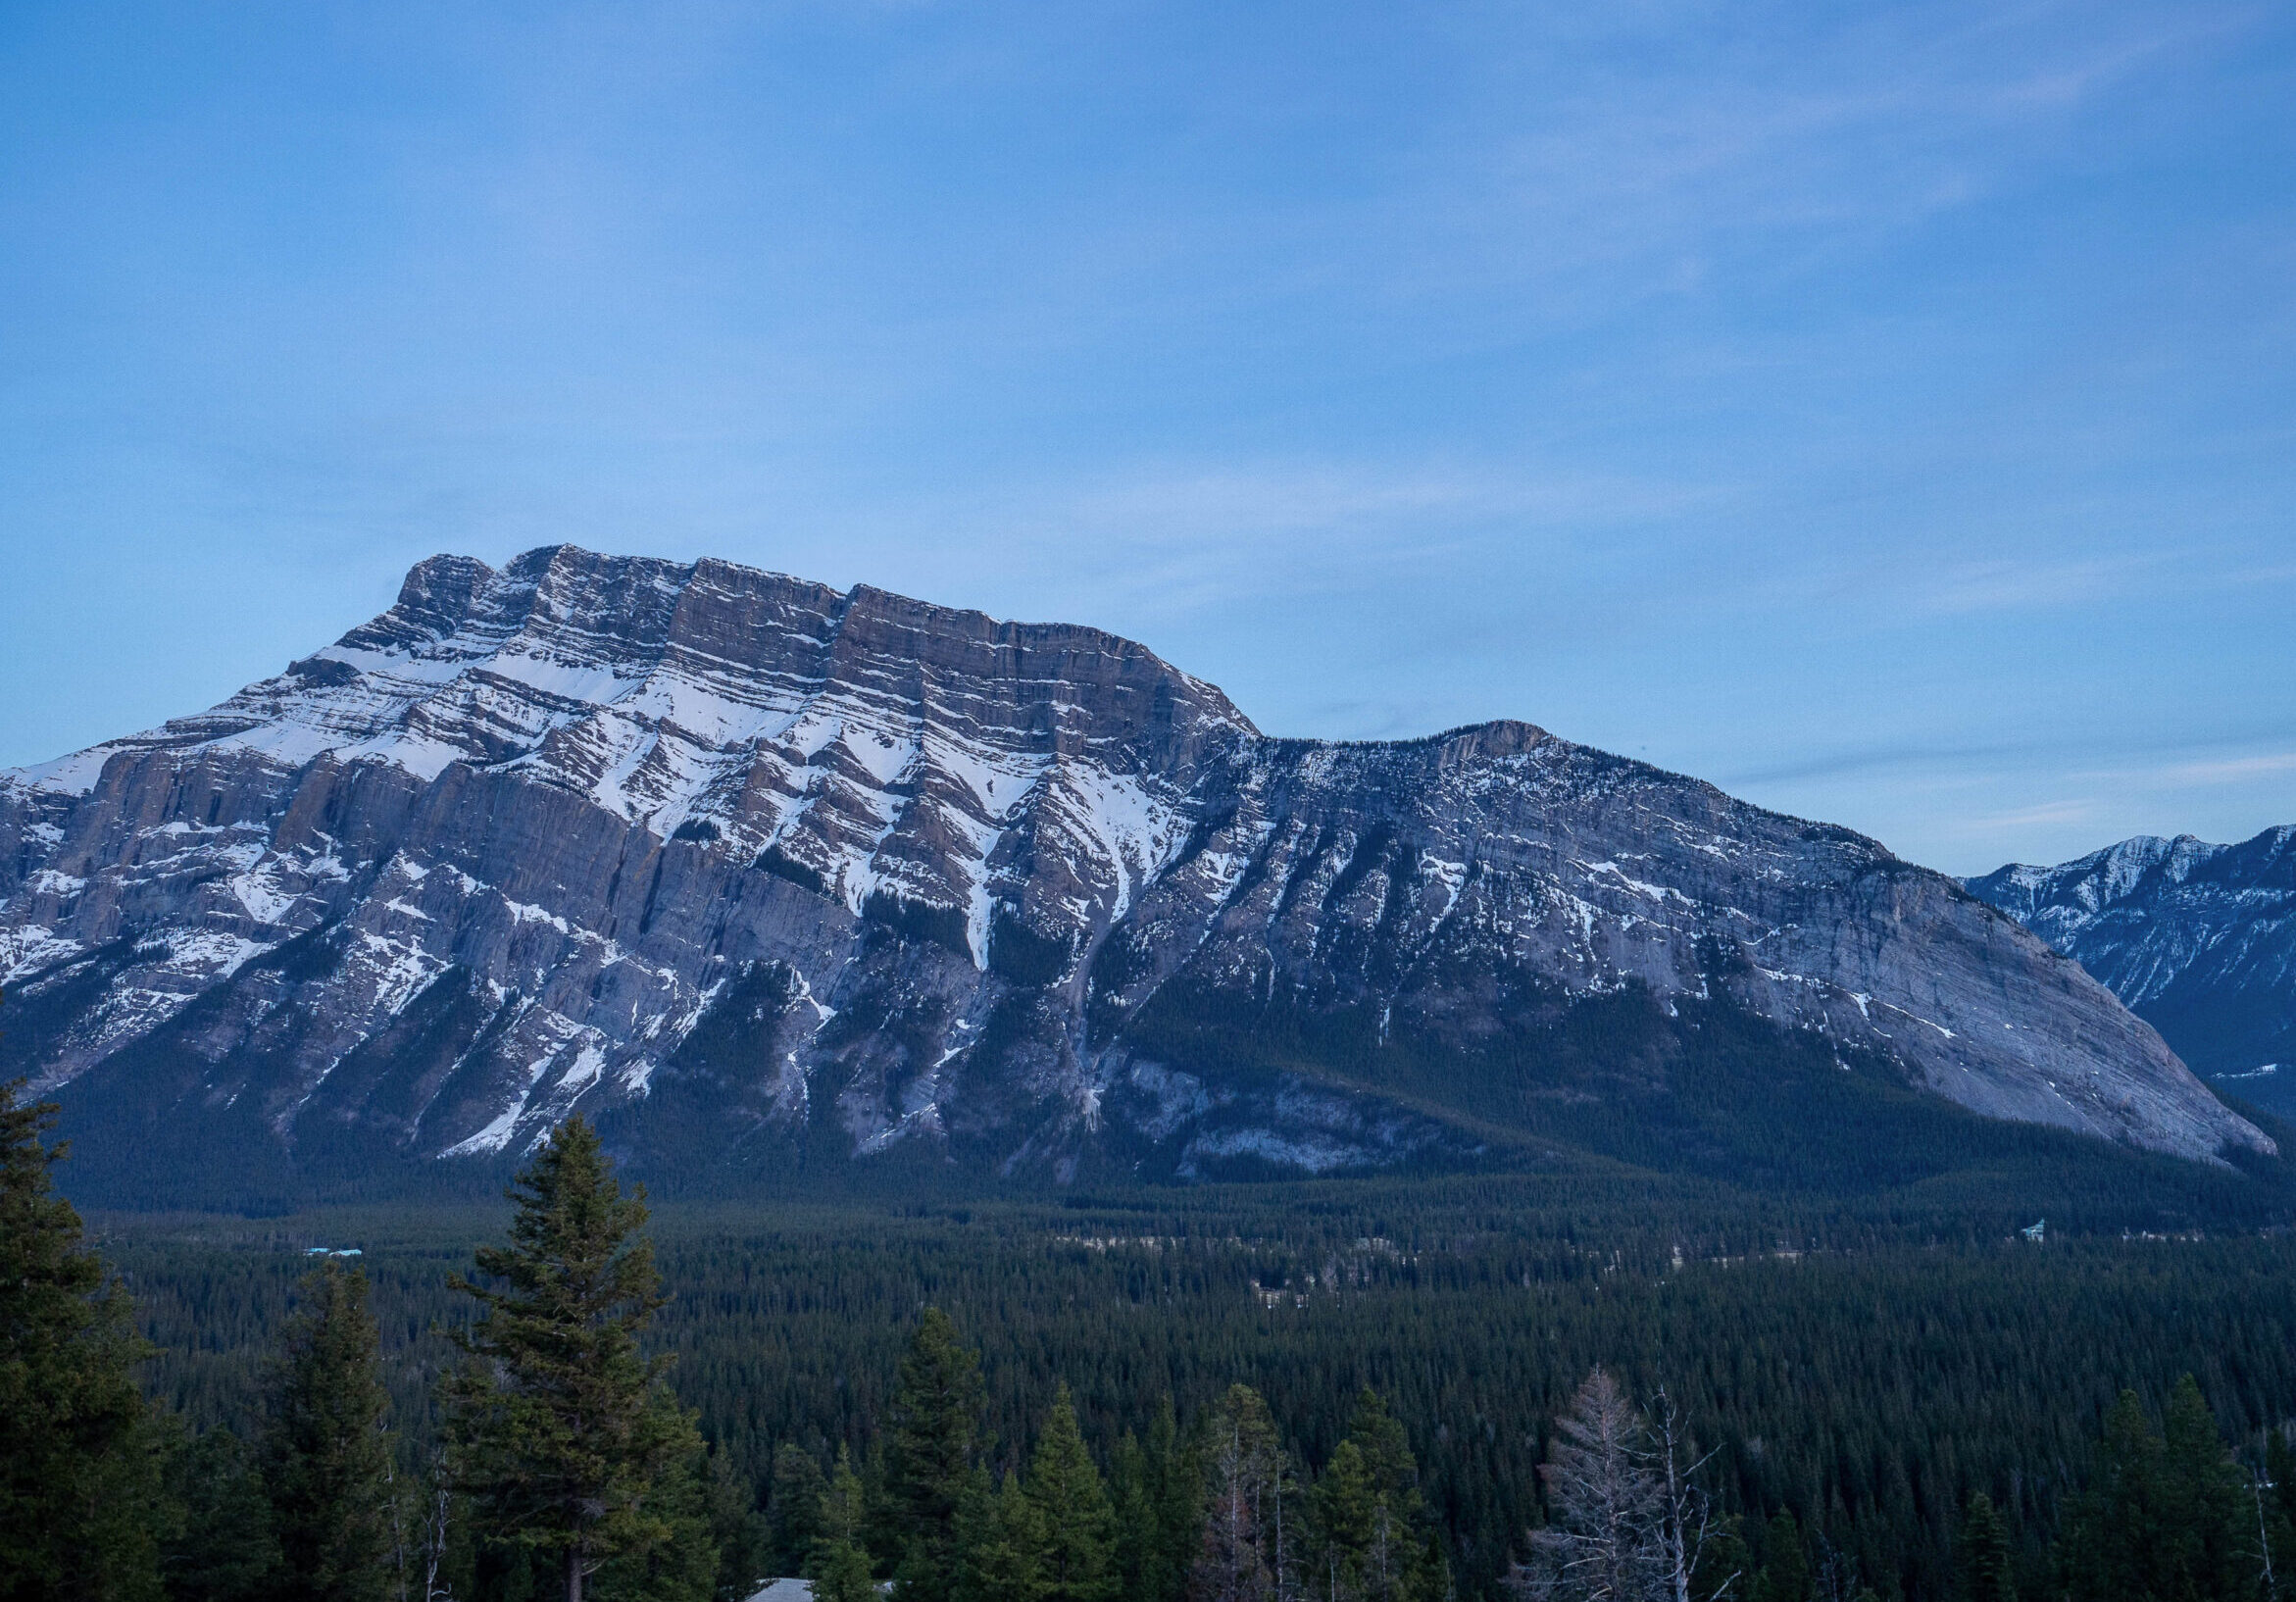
840	1566
221	1548
1157	1489
1395	1549
937	1442
325	1457
1080	1523
1784	1575
554	1429
793	1510
1980	1554
2167	1514
79	1465
738	1526
1001	1543
682	1566
1343	1526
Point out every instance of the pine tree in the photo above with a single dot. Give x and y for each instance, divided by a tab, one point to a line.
682	1567
2166	1513
1242	1553
1345	1509
936	1442
737	1528
793	1510
1002	1543
2111	1534
1156	1485
79	1459
1131	1490
223	1548
1980	1554
1785	1562
1403	1560
840	1565
1724	1565
1079	1526
1386	1450
2209	1534
325	1457
554	1436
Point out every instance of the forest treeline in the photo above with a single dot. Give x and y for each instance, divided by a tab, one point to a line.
551	1450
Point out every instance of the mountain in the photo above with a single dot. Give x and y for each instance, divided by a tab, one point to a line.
2198	939
776	879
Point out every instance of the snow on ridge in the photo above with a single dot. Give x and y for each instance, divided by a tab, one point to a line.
999	785
73	775
1135	832
1641	888
521	661
30	947
559	1034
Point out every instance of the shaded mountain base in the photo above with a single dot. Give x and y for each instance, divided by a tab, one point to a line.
2243	1044
1698	1087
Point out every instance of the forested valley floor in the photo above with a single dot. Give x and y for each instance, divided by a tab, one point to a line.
1864	1370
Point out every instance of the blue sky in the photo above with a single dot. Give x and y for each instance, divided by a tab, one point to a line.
1887	412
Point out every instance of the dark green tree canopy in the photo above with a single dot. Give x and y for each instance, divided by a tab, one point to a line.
840	1566
555	1432
223	1548
934	1441
793	1509
79	1464
1071	1502
2166	1513
326	1458
1981	1559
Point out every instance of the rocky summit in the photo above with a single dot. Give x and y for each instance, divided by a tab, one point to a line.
2198	939
768	877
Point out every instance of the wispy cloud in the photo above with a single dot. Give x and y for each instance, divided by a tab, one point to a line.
2224	770
2018	585
1174	538
1770	145
2040	815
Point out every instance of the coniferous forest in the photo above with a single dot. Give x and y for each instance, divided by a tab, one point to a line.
1579	1386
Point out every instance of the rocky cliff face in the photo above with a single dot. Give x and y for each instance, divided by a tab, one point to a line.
2198	939
759	871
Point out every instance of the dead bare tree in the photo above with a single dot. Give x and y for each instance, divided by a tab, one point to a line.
1629	1519
1601	1542
1687	1525
434	1531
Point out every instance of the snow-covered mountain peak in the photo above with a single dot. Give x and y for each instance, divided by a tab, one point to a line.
596	830
2199	938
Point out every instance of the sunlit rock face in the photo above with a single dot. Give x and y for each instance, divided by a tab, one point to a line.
755	870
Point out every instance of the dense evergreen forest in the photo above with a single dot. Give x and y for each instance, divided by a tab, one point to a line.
1902	1395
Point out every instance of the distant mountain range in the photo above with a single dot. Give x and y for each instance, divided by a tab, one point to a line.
2198	939
776	879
